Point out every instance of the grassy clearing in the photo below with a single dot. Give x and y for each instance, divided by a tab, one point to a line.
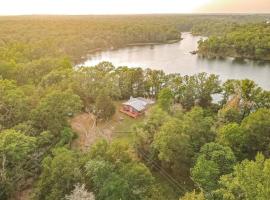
124	130
124	125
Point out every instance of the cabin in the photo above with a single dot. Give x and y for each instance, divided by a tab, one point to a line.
136	107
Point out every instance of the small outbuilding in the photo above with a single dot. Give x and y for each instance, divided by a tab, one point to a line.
135	107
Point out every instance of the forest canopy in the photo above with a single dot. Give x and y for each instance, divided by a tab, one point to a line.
187	146
250	41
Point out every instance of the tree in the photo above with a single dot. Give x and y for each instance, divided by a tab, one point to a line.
233	42
80	193
197	125
213	161
247	96
133	181
257	130
104	106
14	106
154	81
130	81
193	196
165	99
233	136
249	180
88	82
172	145
54	109
66	137
197	90
145	131
58	78
60	172
15	148
115	174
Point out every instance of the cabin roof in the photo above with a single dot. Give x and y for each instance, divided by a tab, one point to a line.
138	103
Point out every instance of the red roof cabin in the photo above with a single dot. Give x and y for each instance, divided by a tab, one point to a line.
135	107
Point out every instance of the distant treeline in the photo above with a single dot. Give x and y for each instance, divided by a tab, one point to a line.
32	37
250	41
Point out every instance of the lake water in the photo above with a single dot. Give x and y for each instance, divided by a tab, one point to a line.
176	58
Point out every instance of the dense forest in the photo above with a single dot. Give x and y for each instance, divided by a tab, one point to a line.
198	148
27	38
250	41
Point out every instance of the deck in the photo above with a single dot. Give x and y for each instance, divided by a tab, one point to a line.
131	114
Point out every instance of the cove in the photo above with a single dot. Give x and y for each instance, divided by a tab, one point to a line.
176	58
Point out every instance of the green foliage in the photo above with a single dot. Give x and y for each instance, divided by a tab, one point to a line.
115	174
40	89
233	136
165	99
45	138
257	130
242	97
193	196
213	161
25	127
13	104
58	79
249	180
15	148
245	41
104	106
66	137
197	90
60	172
198	126
172	144
229	115
54	109
88	82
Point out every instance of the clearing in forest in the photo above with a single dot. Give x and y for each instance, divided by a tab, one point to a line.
89	130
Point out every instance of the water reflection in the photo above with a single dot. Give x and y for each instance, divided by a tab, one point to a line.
176	58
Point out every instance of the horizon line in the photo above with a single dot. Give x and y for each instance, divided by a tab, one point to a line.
129	14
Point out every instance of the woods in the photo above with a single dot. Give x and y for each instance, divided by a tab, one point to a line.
243	41
198	148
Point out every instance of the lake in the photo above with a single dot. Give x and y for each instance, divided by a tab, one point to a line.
176	58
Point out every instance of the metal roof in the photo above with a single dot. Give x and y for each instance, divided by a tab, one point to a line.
138	103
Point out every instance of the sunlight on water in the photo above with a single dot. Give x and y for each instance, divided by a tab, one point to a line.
176	58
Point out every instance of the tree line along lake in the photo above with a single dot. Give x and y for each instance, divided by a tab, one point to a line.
176	58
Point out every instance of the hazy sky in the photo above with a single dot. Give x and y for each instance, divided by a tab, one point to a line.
18	7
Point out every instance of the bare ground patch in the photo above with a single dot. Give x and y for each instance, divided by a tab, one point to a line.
89	130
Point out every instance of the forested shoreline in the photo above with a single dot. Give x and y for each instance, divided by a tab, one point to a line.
207	150
78	36
251	41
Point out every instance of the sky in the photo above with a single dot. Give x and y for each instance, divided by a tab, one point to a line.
82	7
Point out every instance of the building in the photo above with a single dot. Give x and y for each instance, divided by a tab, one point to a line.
135	107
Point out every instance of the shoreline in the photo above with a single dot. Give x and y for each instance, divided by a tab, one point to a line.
154	43
239	58
93	51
